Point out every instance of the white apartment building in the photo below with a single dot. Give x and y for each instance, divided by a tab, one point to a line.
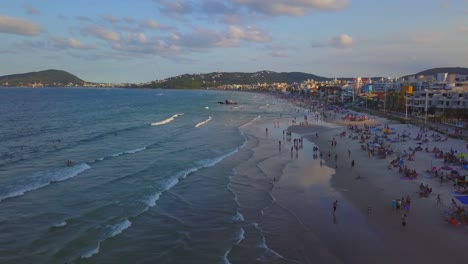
456	98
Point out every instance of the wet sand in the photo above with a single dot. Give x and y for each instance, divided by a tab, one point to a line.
297	218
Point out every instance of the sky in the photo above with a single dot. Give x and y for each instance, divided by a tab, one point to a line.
137	41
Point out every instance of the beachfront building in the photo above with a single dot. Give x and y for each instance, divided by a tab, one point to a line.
437	101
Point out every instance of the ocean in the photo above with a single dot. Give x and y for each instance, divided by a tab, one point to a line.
150	179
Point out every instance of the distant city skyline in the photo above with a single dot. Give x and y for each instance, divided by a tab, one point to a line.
144	40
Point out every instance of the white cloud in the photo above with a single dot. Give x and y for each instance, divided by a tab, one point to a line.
290	7
340	42
18	26
70	43
111	19
101	33
30	10
152	24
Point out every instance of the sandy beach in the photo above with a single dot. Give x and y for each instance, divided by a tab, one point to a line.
299	224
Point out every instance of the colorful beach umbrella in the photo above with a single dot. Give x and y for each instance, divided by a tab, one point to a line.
461	155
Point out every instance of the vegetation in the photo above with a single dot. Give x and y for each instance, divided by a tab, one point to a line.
47	78
435	71
215	79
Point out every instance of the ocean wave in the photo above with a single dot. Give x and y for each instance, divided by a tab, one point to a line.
41	179
240	236
114	230
251	121
238	217
133	151
263	243
60	224
165	121
110	133
204	122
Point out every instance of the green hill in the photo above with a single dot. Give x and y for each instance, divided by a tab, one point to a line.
47	78
188	81
435	71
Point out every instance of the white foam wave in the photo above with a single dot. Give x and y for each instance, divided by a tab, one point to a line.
204	122
159	94
240	236
133	151
225	259
41	179
151	201
206	107
114	231
263	243
91	252
120	227
63	223
238	217
251	122
165	121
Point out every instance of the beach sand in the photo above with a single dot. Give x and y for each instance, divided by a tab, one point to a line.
298	221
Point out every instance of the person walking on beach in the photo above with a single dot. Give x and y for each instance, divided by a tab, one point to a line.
336	157
279	145
349	153
352	164
438	199
403	220
335	204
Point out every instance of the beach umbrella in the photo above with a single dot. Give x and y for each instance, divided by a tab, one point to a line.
461	155
465	167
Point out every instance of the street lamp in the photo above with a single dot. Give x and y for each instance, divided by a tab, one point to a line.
425	106
385	98
406	103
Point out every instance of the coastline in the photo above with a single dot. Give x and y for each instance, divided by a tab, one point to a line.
299	224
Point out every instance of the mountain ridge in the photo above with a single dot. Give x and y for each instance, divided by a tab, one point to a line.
61	78
49	77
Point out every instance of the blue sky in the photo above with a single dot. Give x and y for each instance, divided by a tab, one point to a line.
144	40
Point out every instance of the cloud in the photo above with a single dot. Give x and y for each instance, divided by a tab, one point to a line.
290	7
69	43
129	20
30	10
340	42
18	26
83	18
111	19
101	33
202	39
177	7
151	24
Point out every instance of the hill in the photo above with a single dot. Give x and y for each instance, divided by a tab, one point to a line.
435	71
46	78
188	81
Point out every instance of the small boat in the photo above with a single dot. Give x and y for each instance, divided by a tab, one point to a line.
228	102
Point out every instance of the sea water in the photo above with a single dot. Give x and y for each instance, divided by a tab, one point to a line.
146	184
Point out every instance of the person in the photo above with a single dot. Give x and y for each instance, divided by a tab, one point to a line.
349	153
321	163
279	144
438	199
352	164
403	220
69	163
266	131
335	204
454	204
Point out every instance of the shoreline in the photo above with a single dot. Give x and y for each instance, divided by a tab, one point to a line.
426	231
